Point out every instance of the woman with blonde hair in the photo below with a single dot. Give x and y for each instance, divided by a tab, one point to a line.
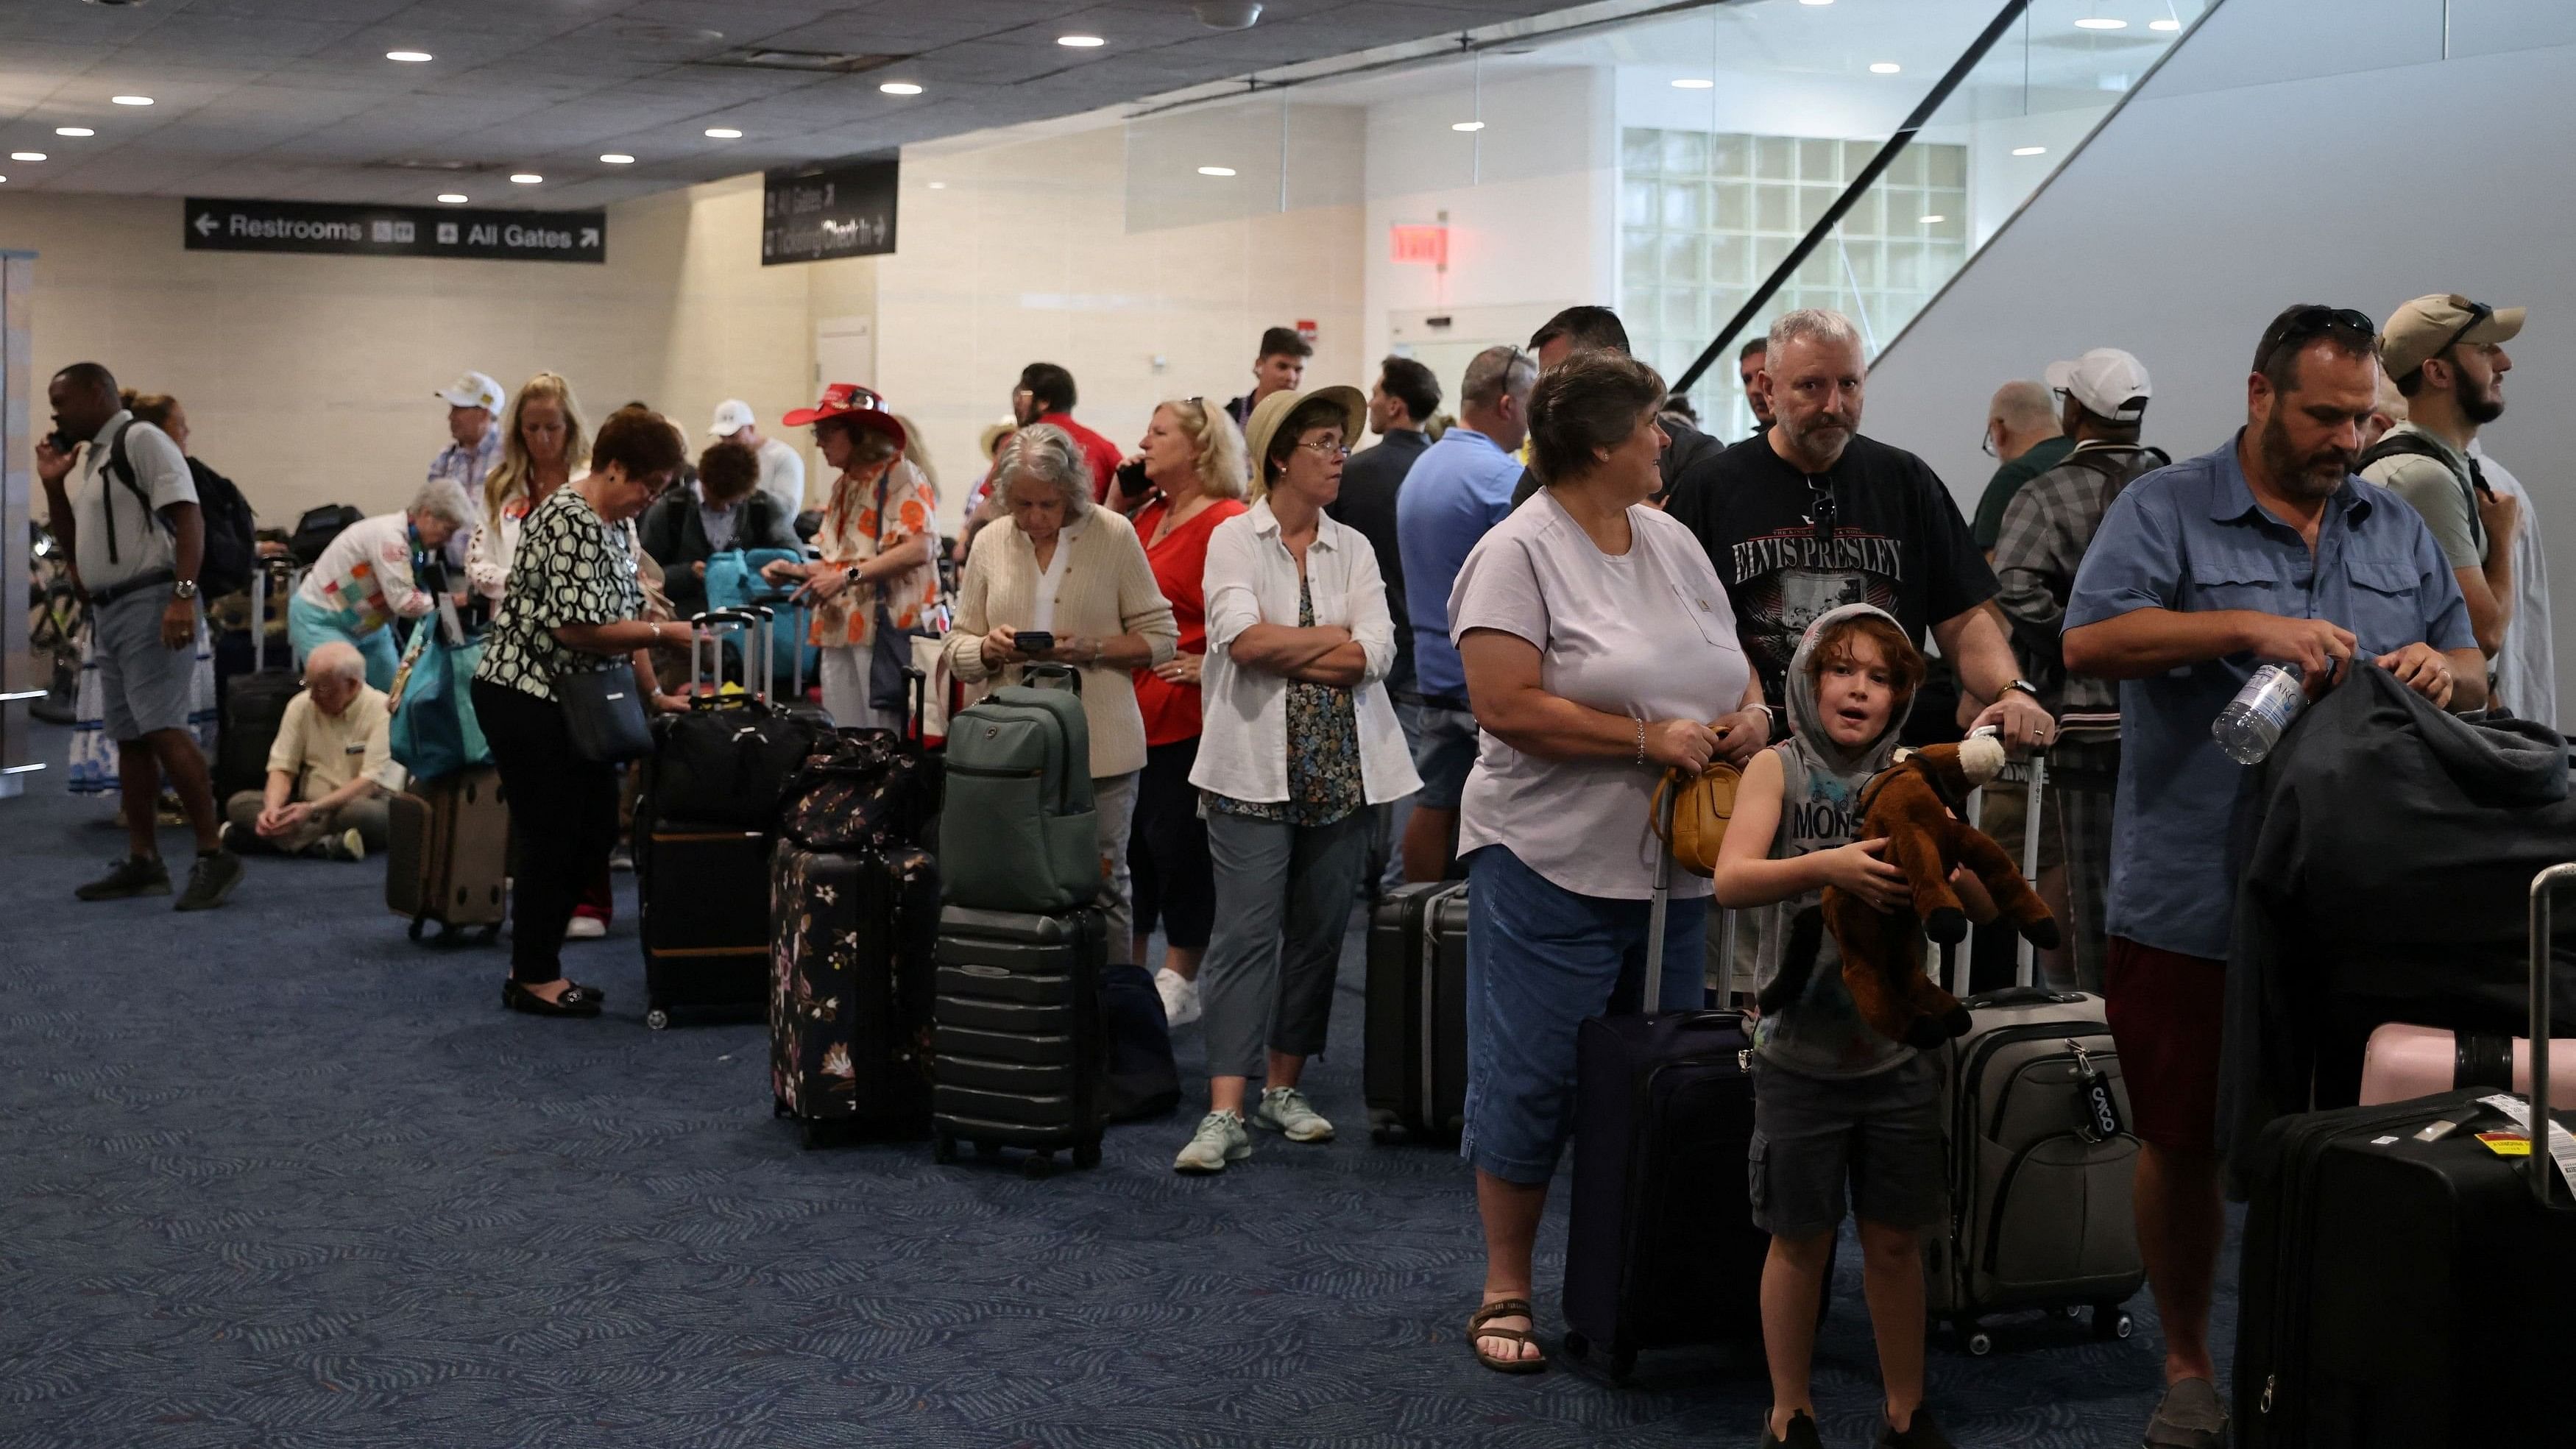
543	447
1192	459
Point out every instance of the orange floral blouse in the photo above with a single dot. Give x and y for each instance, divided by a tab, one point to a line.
851	534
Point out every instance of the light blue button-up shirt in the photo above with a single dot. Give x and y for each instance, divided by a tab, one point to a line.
2191	538
1459	489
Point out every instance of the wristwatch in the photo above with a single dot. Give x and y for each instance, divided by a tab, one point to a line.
2024	685
184	589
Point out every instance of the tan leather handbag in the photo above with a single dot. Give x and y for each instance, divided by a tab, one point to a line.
1701	808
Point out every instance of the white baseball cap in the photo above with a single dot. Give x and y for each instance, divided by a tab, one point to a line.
732	416
473	390
2110	383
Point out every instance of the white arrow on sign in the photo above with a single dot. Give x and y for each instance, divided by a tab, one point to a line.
206	224
590	236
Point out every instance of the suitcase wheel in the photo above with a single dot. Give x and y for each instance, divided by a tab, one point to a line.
944	1150
1038	1165
778	1106
1576	1345
1979	1343
1087	1155
416	924
658	1019
488	934
2110	1320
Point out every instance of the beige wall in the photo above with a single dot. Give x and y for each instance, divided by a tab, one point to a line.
307	379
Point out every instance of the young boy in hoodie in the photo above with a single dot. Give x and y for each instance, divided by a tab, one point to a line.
1835	1103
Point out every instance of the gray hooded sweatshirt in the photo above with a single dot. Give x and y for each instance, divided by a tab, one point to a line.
1820	1034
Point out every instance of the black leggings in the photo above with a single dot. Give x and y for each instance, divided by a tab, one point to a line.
1167	850
564	810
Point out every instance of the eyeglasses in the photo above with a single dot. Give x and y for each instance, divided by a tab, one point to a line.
2297	328
1323	449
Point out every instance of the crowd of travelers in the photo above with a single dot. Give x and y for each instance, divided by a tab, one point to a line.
1311	670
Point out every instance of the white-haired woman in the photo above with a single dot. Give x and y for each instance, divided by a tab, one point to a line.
1192	458
876	541
363	581
1062	565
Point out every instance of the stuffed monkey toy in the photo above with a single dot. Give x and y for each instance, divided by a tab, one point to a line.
1915	805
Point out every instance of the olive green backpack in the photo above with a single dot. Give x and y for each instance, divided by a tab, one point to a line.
1017	831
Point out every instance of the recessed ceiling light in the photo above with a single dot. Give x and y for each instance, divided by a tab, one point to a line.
1932	220
2101	22
131	100
900	88
74	131
1884	67
1466	125
452	198
1216	171
408	57
2164	25
1693	83
617	158
526	178
939	186
26	155
724	133
2030	150
1815	2
1080	42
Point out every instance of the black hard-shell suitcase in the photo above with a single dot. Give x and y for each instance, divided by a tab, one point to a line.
1016	1035
254	706
1661	1250
1414	1065
2406	1294
852	938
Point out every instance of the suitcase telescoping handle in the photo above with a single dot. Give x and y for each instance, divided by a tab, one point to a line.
1660	903
706	632
2543	886
2032	767
766	623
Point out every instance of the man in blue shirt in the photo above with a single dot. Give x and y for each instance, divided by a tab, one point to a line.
474	404
2266	550
1460	487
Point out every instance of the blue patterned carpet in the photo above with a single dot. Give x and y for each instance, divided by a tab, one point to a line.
274	1176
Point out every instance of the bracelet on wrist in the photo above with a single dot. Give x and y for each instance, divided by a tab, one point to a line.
1641	742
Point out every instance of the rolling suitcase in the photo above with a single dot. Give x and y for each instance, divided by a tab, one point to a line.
853	937
254	706
1661	1250
1414	1063
447	854
2035	1135
2404	1282
1016	1036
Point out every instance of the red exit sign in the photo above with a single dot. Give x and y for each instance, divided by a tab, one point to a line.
1426	246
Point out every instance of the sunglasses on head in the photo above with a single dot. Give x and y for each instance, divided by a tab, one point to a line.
2478	313
2301	326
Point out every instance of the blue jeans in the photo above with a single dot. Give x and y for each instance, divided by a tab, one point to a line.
1540	960
309	626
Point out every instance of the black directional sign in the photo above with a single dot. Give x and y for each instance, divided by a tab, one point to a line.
395	231
812	216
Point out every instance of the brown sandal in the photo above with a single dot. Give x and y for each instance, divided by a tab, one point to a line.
1505	1308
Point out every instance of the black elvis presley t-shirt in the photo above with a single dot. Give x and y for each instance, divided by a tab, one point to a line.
1891	536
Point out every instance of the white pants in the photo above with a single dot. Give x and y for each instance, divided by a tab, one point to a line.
844	674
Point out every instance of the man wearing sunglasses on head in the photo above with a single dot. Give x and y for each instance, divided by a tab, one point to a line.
2264	550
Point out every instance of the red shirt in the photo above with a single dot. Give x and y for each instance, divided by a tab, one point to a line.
1180	568
1099	452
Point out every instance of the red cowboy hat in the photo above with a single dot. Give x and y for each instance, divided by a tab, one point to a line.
858	404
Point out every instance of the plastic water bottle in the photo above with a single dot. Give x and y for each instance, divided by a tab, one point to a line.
2255	719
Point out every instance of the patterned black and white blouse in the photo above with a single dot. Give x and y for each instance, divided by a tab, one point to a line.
571	567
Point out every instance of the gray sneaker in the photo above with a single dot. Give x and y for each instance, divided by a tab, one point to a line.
1219	1140
209	881
1286	1111
2191	1417
136	875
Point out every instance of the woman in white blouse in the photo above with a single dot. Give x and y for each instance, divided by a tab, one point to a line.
543	447
1299	741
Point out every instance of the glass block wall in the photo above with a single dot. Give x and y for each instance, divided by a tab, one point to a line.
1704	218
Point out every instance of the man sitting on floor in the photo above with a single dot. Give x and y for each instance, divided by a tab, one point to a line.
328	773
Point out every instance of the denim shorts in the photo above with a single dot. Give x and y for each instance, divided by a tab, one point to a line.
1444	750
1540	960
1817	1141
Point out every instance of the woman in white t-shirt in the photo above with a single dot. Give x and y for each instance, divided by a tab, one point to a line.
1600	651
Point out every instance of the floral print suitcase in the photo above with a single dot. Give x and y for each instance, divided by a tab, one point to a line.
851	942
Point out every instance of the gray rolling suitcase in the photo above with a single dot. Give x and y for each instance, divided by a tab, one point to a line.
2040	1156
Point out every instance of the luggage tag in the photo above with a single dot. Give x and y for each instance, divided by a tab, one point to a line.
2097	1112
2562	1143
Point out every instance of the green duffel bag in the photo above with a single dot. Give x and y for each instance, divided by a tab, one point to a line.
1017	831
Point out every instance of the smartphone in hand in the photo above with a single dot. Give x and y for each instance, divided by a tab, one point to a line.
1033	641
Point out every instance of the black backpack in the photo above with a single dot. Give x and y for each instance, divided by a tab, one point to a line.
231	554
315	530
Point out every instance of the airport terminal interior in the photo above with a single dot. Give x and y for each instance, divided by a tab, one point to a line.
1046	650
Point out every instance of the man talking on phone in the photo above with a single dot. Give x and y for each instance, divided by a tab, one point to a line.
136	539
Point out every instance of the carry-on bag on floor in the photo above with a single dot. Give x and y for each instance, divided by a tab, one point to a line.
1414	1061
1139	1080
254	706
1661	1250
2405	1282
853	935
447	853
1016	1038
2036	1141
1017	832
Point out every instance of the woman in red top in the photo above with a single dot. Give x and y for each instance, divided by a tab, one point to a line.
1193	457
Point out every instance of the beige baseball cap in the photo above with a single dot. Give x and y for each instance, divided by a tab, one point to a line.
2425	326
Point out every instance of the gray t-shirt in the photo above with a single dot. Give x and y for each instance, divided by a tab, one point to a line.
2434	491
102	500
1821	1033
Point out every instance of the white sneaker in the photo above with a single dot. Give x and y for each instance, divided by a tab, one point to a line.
1219	1140
1180	998
585	928
353	846
1286	1111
